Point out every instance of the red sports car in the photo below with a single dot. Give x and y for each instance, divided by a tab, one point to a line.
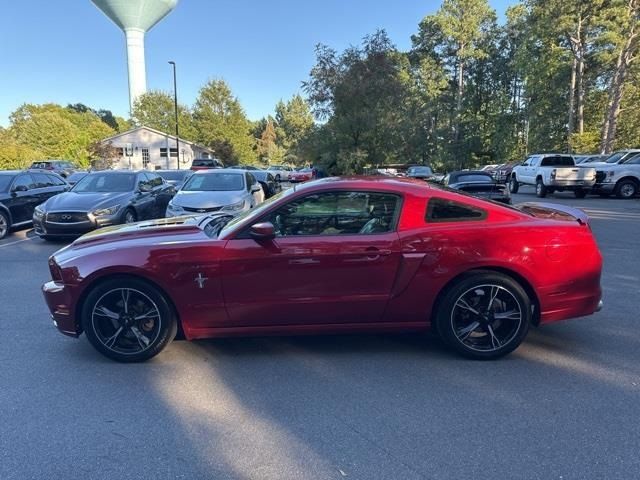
334	255
299	176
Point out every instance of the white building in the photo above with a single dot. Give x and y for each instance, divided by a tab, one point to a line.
147	148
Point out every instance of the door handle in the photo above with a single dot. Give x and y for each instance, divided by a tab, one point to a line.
373	253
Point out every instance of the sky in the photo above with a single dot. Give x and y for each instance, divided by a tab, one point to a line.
67	51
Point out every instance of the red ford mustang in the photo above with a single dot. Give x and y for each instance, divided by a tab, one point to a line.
334	255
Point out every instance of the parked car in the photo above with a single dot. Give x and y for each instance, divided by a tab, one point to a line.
280	172
502	173
489	168
75	177
420	171
301	175
175	177
586	159
267	181
551	172
479	184
227	190
619	157
21	192
206	164
102	199
619	179
335	255
64	168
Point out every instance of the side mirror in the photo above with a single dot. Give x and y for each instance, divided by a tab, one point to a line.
255	188
19	188
263	231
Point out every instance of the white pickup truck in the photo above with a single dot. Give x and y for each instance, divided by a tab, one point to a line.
620	179
551	172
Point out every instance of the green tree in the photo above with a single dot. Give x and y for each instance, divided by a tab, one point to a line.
156	109
268	149
294	122
220	123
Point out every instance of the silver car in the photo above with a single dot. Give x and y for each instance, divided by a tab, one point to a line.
228	190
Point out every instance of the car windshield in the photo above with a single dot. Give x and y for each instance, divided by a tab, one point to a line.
215	182
474	178
176	176
419	170
106	182
5	181
615	157
74	177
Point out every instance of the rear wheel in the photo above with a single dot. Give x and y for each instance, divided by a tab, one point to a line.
4	225
580	193
541	189
128	320
485	315
626	189
514	186
129	216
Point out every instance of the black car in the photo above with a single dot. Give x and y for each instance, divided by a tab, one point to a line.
101	199
177	178
21	192
64	168
269	184
479	184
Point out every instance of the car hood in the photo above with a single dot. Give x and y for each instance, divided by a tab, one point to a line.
85	202
207	199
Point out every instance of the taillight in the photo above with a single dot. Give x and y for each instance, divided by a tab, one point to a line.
553	173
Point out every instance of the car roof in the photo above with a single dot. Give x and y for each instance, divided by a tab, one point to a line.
10	172
364	182
218	171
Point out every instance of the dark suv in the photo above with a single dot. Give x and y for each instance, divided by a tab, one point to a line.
63	168
21	192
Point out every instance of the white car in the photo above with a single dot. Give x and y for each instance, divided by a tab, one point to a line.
232	191
620	179
551	172
280	172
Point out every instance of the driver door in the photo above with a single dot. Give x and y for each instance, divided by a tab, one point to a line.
333	261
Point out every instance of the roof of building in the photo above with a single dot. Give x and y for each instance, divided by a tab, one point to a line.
157	132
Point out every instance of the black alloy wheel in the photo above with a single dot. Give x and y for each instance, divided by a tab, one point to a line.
129	216
484	316
128	320
4	225
514	186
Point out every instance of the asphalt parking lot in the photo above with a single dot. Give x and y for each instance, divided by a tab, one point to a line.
563	406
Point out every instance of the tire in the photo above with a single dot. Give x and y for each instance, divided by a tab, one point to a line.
541	189
127	338
129	216
626	189
5	225
514	186
500	325
580	193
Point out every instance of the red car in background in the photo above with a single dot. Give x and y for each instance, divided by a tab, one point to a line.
334	255
302	175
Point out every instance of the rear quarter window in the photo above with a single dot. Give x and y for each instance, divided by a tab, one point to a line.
442	210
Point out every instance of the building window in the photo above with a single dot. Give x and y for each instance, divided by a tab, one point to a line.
145	158
163	153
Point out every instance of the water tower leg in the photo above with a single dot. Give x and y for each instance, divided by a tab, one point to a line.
137	69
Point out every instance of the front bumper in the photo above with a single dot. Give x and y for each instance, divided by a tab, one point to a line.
59	300
43	227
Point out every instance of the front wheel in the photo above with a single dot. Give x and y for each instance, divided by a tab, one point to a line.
129	216
541	189
484	316
4	225
128	320
626	189
514	186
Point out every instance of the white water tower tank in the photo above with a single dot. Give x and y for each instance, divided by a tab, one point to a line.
135	18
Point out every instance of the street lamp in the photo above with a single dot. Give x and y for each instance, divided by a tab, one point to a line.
175	99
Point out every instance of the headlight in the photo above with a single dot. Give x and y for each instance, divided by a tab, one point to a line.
235	207
174	208
103	212
38	213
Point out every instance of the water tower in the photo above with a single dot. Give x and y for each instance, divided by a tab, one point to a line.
135	18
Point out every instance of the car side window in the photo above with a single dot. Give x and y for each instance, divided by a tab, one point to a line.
443	210
634	160
57	181
144	184
249	181
24	181
337	213
42	181
154	179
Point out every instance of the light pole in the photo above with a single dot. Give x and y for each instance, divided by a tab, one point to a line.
175	99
